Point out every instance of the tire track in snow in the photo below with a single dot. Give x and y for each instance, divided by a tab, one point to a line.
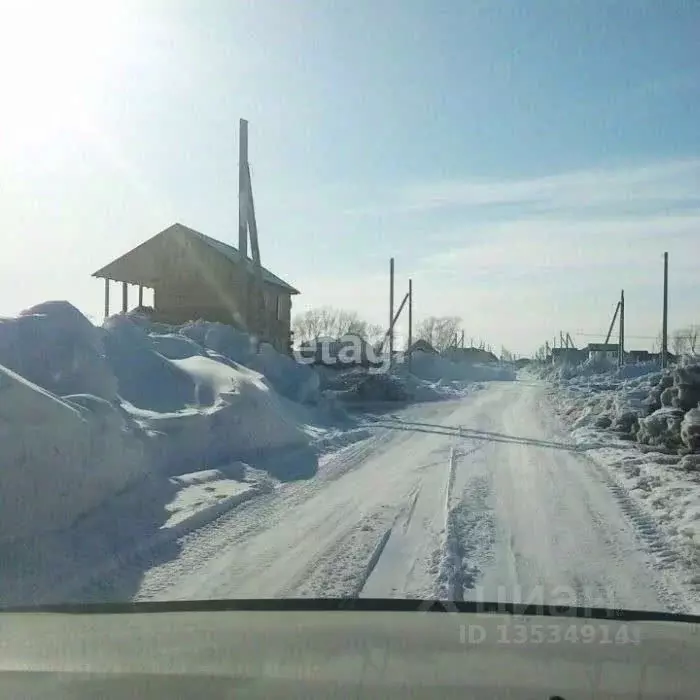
345	567
469	534
646	529
652	539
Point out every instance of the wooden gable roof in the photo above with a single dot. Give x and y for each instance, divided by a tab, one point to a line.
130	267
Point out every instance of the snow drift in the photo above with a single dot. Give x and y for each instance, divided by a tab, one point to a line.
660	411
86	411
437	368
59	458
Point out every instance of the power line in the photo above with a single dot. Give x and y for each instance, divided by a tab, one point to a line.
602	335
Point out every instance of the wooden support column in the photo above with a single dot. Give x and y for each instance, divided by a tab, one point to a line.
106	298
140	295
243	201
125	297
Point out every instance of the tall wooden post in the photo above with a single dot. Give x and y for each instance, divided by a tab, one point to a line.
410	321
125	297
106	298
243	188
140	295
243	219
391	310
621	346
664	328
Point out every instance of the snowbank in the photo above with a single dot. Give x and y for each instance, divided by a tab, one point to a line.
435	368
86	411
660	412
234	414
360	385
54	346
59	458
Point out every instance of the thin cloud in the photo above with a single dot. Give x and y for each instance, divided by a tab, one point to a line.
671	182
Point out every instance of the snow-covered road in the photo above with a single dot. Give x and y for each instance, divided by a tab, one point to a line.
485	497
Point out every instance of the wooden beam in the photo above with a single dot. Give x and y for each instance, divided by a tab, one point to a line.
258	307
242	188
140	295
125	297
106	298
612	323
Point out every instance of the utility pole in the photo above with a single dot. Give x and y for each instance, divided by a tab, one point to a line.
664	329
391	310
410	322
621	347
462	340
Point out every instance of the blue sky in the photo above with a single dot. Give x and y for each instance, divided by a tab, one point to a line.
522	161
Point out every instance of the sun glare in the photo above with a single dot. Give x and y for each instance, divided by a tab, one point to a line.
54	57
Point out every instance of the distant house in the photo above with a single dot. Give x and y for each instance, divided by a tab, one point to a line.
572	356
470	355
599	351
421	345
196	277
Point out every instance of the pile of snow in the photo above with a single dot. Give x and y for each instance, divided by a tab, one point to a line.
432	378
54	346
59	458
86	411
360	385
233	412
660	412
293	380
435	368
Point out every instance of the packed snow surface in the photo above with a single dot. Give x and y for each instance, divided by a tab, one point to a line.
485	497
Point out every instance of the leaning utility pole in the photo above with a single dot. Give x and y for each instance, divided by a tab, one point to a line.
243	216
253	302
391	310
612	323
664	329
621	346
410	322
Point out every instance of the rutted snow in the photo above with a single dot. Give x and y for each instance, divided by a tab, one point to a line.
481	498
657	483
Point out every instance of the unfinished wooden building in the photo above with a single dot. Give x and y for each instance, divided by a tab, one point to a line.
195	277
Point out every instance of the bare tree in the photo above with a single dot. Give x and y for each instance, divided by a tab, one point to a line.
685	340
679	343
441	332
327	322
